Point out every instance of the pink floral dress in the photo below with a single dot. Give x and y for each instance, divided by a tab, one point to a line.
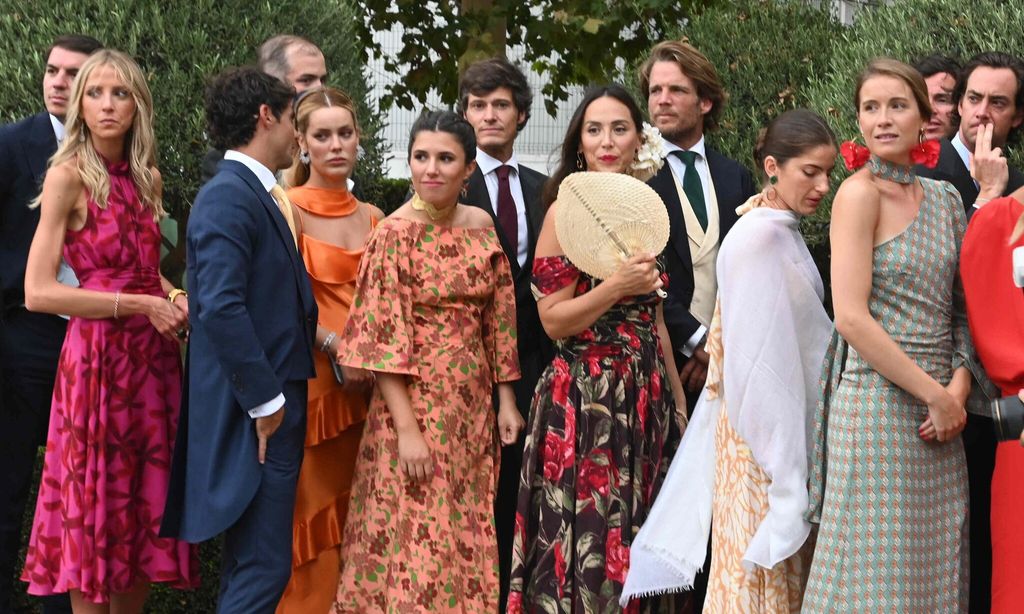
436	305
601	436
112	424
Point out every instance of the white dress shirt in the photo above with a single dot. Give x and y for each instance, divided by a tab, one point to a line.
488	165
679	170
267	180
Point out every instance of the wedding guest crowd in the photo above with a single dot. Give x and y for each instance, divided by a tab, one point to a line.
439	410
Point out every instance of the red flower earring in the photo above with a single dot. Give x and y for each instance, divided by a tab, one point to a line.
854	154
926	153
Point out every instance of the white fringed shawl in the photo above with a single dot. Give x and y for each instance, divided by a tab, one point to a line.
774	332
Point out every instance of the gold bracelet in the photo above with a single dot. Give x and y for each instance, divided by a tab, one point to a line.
117	302
175	293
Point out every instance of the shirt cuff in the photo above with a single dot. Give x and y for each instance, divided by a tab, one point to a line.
691	343
267	409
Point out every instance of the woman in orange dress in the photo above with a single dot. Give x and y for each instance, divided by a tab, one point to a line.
333	229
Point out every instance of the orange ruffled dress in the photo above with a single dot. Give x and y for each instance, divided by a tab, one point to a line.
334	419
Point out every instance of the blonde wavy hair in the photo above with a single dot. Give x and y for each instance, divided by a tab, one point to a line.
140	141
305	104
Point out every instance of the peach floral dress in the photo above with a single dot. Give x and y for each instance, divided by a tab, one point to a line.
437	305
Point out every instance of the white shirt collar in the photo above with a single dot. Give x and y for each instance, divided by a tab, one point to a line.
262	173
488	163
961	148
58	127
697	147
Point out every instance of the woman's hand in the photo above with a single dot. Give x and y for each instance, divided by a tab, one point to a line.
355	377
637	276
946	417
510	424
414	456
168	319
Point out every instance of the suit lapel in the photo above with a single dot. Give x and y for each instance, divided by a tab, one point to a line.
42	144
727	190
279	223
478	196
664	184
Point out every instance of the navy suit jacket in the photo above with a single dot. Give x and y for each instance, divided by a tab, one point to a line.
25	149
253	318
733	186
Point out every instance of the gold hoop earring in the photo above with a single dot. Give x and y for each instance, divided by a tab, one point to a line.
580	163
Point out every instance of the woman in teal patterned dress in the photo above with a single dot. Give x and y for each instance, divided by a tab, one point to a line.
603	423
893	502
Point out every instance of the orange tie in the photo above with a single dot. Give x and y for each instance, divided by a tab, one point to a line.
285	206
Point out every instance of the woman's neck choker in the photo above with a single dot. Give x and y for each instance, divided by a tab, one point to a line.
435	213
883	169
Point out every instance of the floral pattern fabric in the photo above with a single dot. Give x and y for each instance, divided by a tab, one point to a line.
601	436
437	305
112	423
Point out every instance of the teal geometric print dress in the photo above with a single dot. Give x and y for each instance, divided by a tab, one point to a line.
893	507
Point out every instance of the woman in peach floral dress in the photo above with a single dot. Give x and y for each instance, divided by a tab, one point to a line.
434	319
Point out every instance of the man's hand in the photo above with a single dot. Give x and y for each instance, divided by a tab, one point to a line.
695	371
265	427
988	166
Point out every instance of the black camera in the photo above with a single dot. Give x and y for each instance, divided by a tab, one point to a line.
1008	417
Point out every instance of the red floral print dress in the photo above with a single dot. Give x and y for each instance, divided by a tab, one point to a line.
601	436
437	305
112	424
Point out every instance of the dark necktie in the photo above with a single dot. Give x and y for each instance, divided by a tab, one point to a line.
692	186
507	215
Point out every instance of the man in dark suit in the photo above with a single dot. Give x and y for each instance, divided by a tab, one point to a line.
30	343
292	59
243	419
989	92
701	189
495	98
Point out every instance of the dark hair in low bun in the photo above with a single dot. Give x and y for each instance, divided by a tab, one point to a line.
790	135
445	121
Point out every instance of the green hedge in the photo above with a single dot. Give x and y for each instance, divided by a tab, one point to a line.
907	30
180	45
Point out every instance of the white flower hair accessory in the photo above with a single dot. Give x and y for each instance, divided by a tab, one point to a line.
650	156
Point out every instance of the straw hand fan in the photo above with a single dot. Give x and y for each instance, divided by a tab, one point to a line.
604	218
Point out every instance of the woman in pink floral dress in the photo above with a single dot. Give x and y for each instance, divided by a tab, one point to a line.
434	319
116	396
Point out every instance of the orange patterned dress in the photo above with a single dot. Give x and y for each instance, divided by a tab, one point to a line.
334	417
740	503
437	305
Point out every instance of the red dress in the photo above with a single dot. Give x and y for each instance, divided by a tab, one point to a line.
112	423
995	312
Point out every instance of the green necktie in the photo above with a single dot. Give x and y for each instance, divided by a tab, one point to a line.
692	186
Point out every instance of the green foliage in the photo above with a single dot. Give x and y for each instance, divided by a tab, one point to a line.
767	52
571	42
392	193
907	30
179	46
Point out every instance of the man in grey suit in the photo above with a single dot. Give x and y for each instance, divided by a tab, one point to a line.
495	98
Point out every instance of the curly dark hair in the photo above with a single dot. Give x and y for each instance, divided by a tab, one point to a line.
485	76
936	63
991	59
449	122
233	100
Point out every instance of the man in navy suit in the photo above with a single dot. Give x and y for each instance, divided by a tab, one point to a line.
701	189
30	343
495	98
243	419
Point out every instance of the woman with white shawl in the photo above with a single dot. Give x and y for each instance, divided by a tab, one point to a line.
743	459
